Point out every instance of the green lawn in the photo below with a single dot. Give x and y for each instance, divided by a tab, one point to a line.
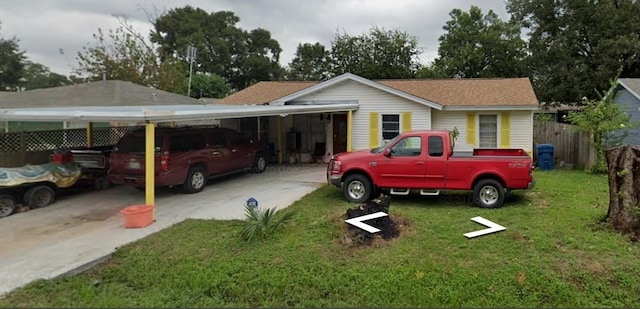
554	253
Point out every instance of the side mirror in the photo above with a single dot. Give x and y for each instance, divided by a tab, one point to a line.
387	152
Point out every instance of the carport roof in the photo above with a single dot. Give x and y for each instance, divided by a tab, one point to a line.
99	93
163	113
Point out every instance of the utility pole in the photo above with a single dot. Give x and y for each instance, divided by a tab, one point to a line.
192	54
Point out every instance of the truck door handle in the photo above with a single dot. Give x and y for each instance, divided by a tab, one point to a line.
419	163
216	153
234	150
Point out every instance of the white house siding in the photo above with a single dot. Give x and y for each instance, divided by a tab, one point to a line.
522	130
372	100
520	134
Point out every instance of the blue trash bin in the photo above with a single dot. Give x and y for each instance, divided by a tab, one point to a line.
545	156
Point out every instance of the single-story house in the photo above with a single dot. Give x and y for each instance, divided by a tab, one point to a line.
628	98
496	112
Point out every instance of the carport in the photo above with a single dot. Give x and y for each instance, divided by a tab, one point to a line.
152	115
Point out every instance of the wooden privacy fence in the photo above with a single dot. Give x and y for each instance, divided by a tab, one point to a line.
571	147
21	148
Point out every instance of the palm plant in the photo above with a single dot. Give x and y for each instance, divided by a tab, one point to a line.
262	223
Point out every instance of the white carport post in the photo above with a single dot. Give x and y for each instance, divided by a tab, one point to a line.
149	168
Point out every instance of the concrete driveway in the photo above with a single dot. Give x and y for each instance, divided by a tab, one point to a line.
79	229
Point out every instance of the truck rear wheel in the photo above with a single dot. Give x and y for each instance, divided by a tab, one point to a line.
39	196
488	193
7	205
357	188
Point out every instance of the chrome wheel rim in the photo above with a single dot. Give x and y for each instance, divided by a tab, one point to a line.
197	180
356	190
489	195
262	163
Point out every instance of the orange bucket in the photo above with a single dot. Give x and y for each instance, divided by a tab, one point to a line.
137	216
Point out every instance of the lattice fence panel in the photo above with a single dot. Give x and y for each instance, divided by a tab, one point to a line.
109	136
10	142
55	139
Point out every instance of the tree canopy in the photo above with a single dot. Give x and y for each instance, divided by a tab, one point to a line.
124	54
11	64
577	46
311	62
242	57
18	73
478	45
379	54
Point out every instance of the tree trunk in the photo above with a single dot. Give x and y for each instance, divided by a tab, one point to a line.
624	189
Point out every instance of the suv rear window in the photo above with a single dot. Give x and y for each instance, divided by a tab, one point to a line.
135	144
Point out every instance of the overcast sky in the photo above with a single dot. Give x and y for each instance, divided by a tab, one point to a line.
52	32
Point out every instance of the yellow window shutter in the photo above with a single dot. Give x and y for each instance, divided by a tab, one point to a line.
505	130
406	122
471	129
374	129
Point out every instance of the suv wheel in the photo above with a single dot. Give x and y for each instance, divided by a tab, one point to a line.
196	180
260	164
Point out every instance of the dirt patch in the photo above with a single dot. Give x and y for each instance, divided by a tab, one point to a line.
355	238
390	226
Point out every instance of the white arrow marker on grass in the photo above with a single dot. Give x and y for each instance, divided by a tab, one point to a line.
493	227
357	221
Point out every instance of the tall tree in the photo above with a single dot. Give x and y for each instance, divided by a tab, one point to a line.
242	57
577	46
378	54
478	45
124	54
11	64
311	62
37	76
259	61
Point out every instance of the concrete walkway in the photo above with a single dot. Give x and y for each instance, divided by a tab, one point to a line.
82	228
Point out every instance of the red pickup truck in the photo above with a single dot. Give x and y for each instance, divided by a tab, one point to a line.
425	161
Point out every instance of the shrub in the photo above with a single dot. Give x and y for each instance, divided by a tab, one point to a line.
262	223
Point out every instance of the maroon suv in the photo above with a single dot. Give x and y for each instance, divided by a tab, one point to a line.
186	156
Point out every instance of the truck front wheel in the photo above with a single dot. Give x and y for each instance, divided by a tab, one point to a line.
357	188
488	193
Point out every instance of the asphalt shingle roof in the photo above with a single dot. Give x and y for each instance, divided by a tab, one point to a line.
447	92
99	93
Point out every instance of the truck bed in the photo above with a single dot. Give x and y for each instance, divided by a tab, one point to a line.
494	152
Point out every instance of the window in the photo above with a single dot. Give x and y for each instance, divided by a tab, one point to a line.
407	147
184	143
237	138
217	137
135	144
436	146
390	127
488	131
